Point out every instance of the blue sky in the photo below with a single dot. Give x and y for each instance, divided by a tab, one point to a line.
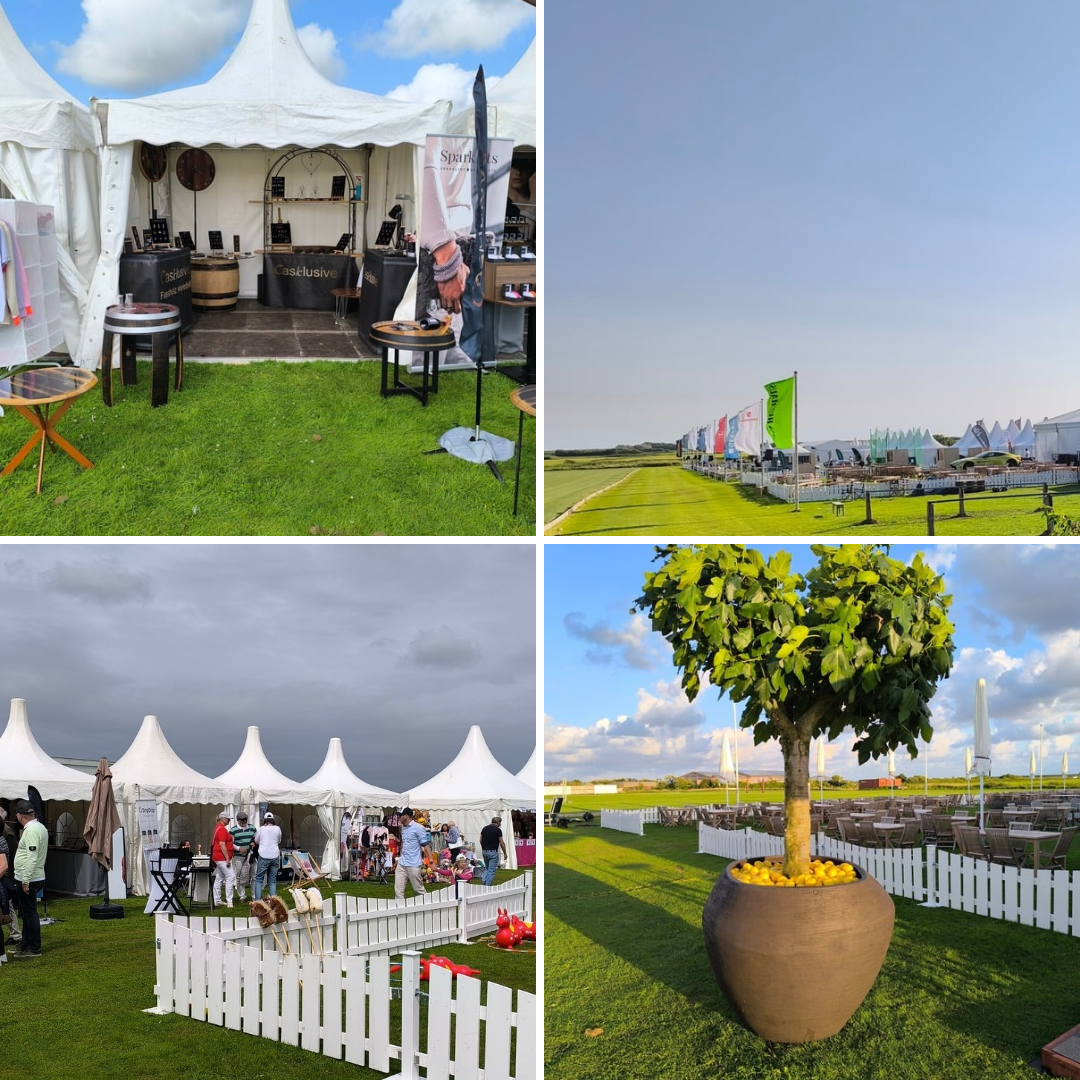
606	673
413	49
884	197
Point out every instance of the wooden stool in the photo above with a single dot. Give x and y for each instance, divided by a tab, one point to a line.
131	320
409	335
838	509
341	302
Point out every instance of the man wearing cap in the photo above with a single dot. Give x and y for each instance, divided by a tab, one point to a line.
414	846
491	842
243	835
221	851
30	877
268	841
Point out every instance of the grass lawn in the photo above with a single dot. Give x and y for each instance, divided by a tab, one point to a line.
629	992
76	1014
271	449
675	502
564	487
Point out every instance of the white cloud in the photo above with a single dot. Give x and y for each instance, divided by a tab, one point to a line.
441	82
136	44
322	46
632	644
416	27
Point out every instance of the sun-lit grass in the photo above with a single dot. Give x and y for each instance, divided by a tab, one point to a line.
629	993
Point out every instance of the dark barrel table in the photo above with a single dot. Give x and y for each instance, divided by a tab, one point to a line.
409	335
159	321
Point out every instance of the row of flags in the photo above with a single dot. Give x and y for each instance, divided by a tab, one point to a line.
741	432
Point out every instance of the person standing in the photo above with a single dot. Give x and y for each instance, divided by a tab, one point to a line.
268	842
414	849
453	840
491	843
5	866
30	877
243	835
221	851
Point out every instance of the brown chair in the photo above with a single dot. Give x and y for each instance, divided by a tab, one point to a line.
774	824
946	834
967	836
848	833
910	836
867	834
1002	848
995	819
929	829
1055	858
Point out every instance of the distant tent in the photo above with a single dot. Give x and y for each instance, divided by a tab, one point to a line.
968	443
926	451
1057	436
1024	444
997	438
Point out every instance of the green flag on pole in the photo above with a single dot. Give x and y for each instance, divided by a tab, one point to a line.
779	414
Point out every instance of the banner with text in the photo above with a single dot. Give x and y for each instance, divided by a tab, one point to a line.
781	409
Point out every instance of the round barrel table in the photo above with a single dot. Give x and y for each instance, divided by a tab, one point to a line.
524	400
159	321
410	335
215	284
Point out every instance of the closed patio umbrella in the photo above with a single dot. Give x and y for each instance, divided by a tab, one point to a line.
1031	771
982	743
727	769
967	768
821	768
1064	768
102	821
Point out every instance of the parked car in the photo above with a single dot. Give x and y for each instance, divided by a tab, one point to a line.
987	457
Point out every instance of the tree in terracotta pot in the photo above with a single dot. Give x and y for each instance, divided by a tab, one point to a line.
861	642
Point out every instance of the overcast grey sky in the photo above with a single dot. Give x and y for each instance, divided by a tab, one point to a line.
395	649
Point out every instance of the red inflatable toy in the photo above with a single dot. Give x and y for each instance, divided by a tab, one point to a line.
504	938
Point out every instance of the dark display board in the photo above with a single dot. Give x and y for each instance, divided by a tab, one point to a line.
277	187
337	187
159	230
386	277
304	281
158	276
280	232
216	243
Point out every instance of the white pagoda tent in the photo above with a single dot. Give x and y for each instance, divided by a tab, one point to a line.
474	787
527	773
23	763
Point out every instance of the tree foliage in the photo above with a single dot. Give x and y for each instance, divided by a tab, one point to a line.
861	642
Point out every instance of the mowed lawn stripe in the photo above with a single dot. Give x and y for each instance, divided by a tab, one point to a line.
676	502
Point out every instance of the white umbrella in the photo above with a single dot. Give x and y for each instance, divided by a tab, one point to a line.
967	768
821	768
982	742
1064	768
892	766
736	739
727	769
1031	771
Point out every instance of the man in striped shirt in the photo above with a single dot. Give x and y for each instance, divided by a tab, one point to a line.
243	834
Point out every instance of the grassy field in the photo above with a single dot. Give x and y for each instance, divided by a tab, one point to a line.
271	449
78	1010
564	487
674	502
629	993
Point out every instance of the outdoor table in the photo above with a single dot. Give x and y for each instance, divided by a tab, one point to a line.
31	393
1036	838
128	321
863	816
889	831
524	400
409	335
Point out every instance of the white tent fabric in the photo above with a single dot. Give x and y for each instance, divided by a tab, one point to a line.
997	437
1012	433
511	105
1057	435
47	156
475	787
260	782
926	451
968	443
268	94
527	773
1024	444
350	793
151	769
23	762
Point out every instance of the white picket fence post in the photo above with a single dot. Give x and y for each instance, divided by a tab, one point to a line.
410	1014
628	821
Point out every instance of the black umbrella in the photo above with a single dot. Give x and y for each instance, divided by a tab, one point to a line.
475	444
102	821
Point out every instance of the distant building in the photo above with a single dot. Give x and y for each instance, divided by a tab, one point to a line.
880	782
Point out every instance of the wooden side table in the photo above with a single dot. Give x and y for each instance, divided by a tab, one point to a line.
31	394
341	302
129	321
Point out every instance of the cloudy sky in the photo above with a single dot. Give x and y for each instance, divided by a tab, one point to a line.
884	197
614	707
415	50
396	650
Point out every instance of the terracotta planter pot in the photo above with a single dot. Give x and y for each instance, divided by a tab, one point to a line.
796	963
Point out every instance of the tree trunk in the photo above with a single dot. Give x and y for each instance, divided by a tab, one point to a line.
797	806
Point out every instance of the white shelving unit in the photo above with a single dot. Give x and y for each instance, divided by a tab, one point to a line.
34	230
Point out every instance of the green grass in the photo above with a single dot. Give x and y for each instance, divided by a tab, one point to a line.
78	1010
676	502
271	449
958	996
564	487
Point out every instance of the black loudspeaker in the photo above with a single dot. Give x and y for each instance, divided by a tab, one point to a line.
382	285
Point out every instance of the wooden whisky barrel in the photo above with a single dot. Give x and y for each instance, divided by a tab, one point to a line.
215	284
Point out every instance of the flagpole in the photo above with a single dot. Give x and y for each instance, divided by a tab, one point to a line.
795	451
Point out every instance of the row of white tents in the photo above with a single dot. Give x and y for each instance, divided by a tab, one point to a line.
470	790
268	98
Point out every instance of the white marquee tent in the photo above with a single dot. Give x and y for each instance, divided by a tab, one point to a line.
350	794
151	769
267	98
1057	435
1024	444
473	788
48	156
23	762
926	451
527	773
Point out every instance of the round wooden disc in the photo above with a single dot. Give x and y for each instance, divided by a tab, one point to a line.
153	161
195	169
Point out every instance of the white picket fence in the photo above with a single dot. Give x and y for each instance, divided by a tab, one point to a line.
628	821
233	973
1047	899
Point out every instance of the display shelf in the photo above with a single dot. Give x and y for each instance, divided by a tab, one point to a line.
263	202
